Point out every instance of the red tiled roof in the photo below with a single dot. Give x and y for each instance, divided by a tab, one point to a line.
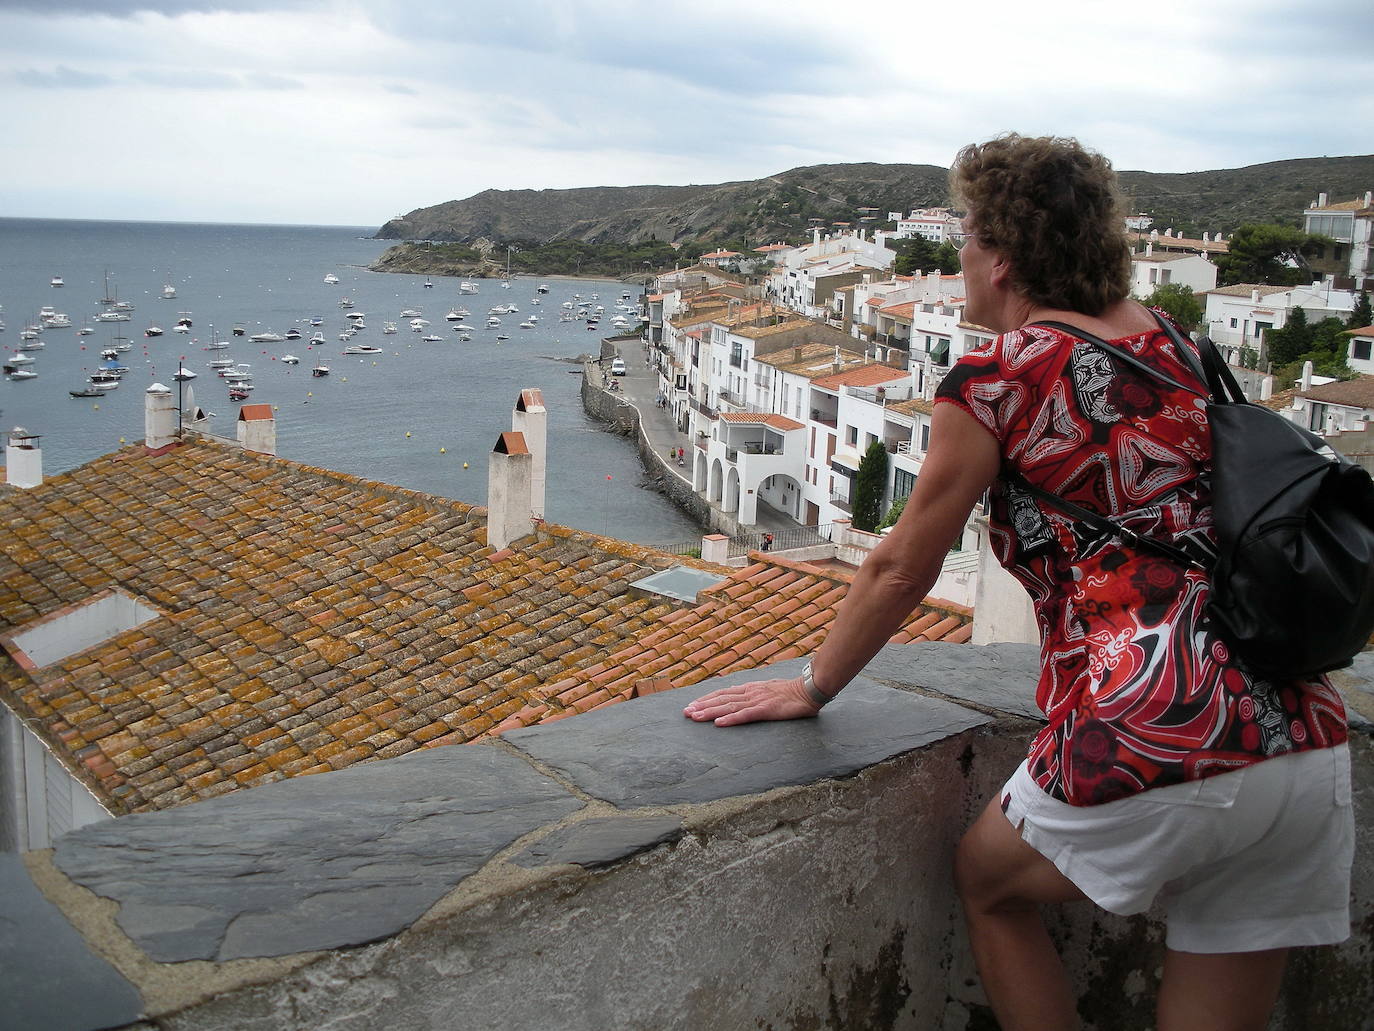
779	422
771	610
255	413
312	619
862	376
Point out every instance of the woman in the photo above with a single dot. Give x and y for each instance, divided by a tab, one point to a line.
1164	769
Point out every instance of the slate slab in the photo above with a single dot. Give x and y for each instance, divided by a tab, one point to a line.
48	977
316	862
999	676
600	841
645	752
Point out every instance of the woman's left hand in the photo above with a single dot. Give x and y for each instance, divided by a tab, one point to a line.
752	702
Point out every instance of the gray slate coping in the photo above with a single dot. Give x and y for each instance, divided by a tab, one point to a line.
997	676
49	978
600	841
318	862
644	752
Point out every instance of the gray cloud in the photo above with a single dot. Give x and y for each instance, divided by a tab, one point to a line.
266	80
129	8
186	78
395	87
62	77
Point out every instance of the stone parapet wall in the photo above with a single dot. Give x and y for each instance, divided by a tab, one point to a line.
626	868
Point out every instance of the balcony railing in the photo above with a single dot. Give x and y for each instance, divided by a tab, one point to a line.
828	418
841	503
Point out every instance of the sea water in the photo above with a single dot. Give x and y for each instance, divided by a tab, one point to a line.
420	415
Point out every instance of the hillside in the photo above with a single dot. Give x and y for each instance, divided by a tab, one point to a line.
781	206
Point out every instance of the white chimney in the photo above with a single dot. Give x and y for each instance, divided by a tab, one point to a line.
508	491
531	418
1149	249
1306	382
816	236
257	429
1321	200
1206	237
23	459
1368	197
159	418
715	547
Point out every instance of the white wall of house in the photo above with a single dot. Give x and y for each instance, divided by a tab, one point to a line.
1150	271
39	800
1241	321
1360	354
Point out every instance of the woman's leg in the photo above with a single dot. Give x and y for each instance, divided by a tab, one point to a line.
1232	991
1001	882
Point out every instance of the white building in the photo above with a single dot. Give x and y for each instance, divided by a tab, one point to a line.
1238	316
1154	269
1350	224
938	225
1360	354
807	277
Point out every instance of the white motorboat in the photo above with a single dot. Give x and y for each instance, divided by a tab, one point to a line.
21	359
411	313
467	286
320	369
362	349
317	320
465	336
388	328
267	338
113	316
527	324
293	333
345	302
58	320
502	336
56	281
222	363
168	291
123	305
453	315
84	331
316	338
183	374
419	323
291	359
431	338
463	327
428	285
543	288
32	344
15	372
331	279
355	315
184	319
181	329
153	331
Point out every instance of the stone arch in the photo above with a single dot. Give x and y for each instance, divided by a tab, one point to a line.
716	489
730	501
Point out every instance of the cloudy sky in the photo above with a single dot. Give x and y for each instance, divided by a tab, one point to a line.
348	112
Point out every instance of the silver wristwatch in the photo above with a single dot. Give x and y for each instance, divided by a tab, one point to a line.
818	697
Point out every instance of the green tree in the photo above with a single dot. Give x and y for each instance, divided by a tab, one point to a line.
869	484
1267	254
1361	316
893	514
1179	302
918	254
1293	339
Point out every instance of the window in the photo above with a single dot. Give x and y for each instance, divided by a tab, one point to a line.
903	483
737	354
851	434
1359	349
869	440
1234	323
925	436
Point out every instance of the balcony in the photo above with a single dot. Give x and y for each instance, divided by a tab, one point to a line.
841	503
825	418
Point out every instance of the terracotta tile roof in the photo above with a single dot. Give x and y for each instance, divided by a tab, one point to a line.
1354	393
912	406
863	376
778	422
773	247
1363	331
1247	290
815	359
312	619
771	610
255	413
895	309
722	254
1280	399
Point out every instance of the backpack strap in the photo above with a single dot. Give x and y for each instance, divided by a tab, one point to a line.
1111	527
1186	355
1209	370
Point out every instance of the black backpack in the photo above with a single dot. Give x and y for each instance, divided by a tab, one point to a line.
1292	587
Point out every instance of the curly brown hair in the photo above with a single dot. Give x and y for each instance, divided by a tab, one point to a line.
1051	208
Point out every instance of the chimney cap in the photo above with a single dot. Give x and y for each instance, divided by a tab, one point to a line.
512	442
255	413
159	388
531	400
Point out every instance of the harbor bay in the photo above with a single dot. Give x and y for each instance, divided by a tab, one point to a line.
419	413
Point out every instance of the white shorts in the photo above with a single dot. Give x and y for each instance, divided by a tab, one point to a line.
1255	859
